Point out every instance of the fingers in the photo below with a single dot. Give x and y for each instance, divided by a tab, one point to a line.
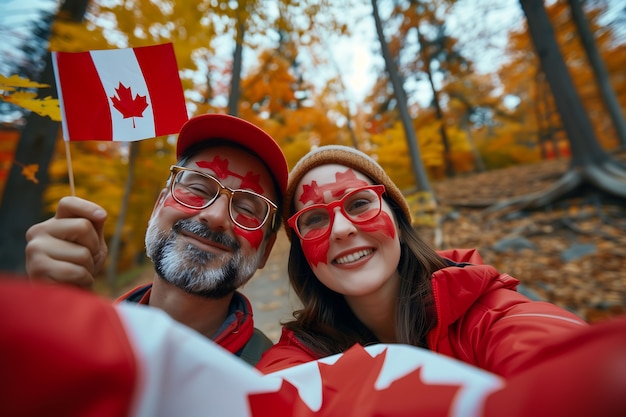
74	207
46	266
69	247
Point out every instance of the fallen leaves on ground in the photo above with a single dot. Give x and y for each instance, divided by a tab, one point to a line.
571	253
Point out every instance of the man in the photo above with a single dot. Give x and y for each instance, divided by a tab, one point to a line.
213	225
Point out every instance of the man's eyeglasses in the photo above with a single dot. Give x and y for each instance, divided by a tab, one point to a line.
358	206
197	190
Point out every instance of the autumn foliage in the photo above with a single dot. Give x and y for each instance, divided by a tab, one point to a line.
489	120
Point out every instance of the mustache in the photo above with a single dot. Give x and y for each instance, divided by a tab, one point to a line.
204	232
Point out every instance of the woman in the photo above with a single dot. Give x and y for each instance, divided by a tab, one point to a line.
365	276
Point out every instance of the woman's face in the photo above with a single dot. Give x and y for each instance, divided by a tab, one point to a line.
352	259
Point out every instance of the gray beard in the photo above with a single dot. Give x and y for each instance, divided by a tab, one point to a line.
195	271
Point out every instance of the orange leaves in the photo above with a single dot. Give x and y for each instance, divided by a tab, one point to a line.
29	171
15	81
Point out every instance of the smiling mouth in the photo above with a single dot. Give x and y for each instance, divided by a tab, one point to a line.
204	244
353	257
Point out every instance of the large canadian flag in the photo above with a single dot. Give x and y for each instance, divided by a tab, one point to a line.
119	94
65	352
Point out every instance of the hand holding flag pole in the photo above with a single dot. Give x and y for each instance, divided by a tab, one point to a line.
118	95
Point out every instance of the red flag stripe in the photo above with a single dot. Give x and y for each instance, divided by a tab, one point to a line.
168	103
91	117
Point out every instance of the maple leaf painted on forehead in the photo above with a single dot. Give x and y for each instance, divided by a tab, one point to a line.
343	181
348	180
219	166
127	105
311	193
251	182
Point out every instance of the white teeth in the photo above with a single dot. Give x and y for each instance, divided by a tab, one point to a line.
353	256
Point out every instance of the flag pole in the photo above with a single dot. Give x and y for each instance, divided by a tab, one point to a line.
69	167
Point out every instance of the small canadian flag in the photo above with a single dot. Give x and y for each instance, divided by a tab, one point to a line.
119	94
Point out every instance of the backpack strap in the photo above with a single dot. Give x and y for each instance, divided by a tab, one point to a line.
255	347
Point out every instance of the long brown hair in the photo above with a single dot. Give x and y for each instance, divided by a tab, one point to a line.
327	325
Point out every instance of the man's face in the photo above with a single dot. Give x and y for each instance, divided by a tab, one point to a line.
203	251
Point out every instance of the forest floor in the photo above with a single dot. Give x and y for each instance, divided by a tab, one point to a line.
571	253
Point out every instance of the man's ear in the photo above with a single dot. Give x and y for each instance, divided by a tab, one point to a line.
268	249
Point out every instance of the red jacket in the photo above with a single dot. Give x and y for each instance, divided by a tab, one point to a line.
481	320
236	332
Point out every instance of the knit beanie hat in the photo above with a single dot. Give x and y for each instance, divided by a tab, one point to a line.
342	155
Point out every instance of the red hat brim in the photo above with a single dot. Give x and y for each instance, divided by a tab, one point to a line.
221	126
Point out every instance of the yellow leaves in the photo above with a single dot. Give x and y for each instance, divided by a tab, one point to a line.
26	99
423	206
44	107
76	37
15	81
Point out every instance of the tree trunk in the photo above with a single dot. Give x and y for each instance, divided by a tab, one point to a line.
465	125
116	240
449	169
590	164
22	199
599	70
584	145
233	99
417	164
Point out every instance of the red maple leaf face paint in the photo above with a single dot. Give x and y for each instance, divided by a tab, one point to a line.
170	202
316	249
381	223
255	237
219	166
249	181
188	197
343	181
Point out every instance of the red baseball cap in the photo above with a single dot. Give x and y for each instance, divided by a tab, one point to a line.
221	126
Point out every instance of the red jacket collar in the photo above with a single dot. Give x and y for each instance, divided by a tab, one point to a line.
234	333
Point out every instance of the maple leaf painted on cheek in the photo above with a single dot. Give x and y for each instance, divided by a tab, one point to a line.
126	104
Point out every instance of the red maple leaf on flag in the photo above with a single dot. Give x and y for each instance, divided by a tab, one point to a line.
348	389
127	105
